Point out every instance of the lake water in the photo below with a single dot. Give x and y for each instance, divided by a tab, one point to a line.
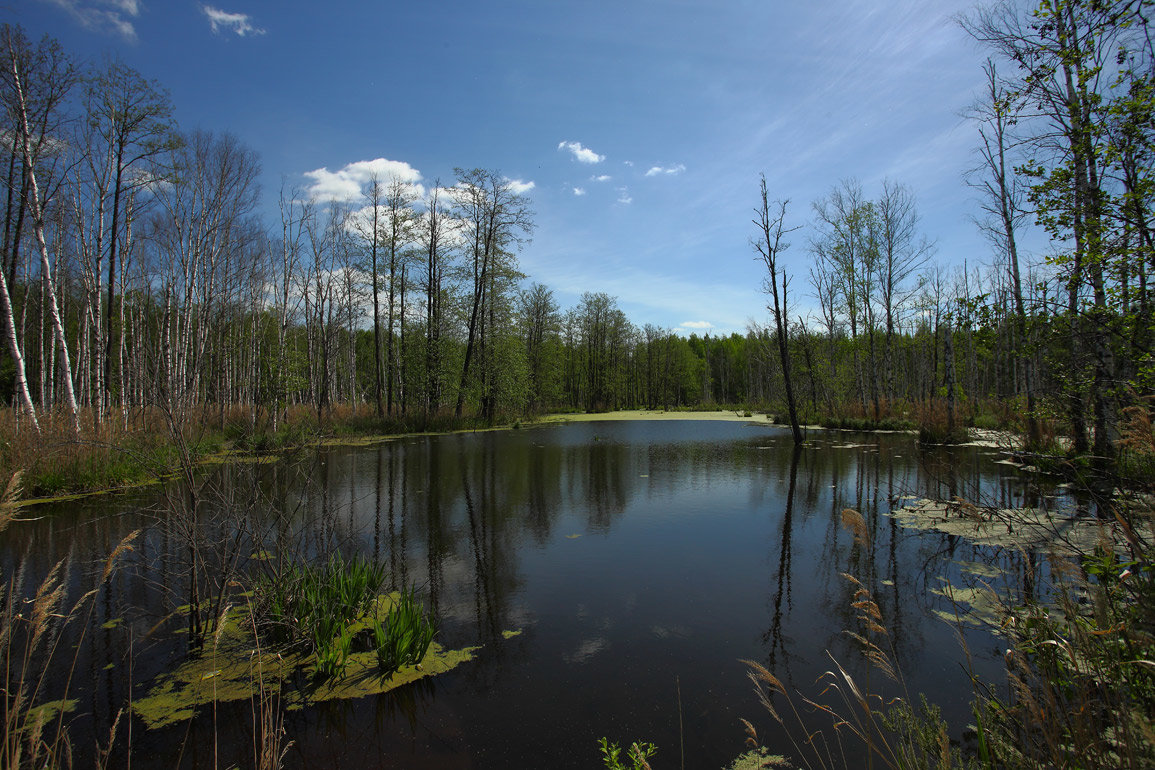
640	562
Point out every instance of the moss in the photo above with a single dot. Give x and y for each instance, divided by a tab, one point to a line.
236	666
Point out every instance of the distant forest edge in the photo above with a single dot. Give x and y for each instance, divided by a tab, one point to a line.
140	293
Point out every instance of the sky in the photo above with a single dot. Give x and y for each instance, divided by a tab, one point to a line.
642	125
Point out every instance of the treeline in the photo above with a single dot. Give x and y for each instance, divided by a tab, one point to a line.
137	275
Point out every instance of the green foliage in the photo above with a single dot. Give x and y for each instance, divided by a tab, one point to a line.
314	606
862	423
923	734
637	754
1083	689
404	637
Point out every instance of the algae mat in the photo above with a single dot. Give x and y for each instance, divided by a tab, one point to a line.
652	414
236	669
1017	528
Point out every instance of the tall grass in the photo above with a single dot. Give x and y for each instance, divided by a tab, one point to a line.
405	635
1080	676
34	707
314	605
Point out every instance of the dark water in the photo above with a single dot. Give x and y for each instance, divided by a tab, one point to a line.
640	560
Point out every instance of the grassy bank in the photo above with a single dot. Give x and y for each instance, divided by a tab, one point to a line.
141	448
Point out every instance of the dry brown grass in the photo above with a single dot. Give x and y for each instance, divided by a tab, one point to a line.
34	727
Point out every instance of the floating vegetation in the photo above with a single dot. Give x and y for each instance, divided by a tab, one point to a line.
980	570
1018	528
976	606
508	634
230	671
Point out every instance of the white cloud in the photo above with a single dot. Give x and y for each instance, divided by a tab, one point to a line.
579	191
696	325
239	23
581	154
624	195
601	178
348	182
104	16
519	187
666	170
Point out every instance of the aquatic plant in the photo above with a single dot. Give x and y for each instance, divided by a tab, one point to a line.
314	606
1080	688
637	754
404	637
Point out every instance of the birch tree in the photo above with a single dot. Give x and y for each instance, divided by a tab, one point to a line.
37	83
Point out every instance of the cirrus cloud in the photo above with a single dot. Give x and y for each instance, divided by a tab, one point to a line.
238	23
665	170
104	16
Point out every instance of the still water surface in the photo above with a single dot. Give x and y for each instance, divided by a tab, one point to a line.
641	561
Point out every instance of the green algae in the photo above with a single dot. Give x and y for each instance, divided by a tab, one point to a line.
236	668
510	634
49	711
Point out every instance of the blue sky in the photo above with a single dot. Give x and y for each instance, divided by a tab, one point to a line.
642	124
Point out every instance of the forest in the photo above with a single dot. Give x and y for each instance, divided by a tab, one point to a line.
139	278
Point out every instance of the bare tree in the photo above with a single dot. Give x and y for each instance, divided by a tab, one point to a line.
133	118
45	75
398	233
770	244
1002	202
901	253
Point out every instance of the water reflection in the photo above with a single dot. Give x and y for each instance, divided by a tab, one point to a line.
628	555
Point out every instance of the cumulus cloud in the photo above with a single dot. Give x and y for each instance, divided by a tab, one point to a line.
105	16
239	23
518	186
665	170
347	183
601	178
695	325
624	195
581	154
579	191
